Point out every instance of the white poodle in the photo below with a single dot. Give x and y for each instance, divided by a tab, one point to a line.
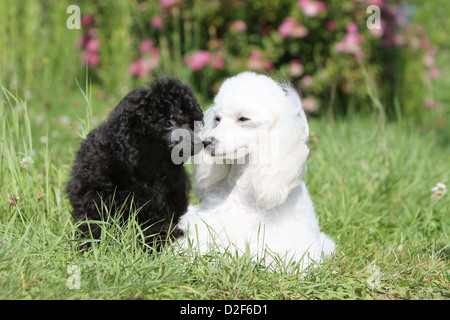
249	176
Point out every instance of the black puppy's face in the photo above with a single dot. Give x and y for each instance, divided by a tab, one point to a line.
169	113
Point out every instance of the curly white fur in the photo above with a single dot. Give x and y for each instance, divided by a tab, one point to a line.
249	178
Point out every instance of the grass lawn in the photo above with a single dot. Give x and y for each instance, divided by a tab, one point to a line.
370	182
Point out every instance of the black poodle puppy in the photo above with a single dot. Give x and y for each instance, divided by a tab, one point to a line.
127	164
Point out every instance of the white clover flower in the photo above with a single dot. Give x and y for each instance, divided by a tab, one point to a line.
438	190
26	161
64	120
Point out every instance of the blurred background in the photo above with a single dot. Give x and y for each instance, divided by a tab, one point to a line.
339	66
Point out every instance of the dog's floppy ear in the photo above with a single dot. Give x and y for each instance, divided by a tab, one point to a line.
120	136
281	155
207	171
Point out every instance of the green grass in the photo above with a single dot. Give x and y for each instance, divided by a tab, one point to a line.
370	183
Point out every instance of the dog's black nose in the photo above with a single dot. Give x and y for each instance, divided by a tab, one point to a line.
208	141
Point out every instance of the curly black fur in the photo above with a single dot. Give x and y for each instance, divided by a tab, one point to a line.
125	164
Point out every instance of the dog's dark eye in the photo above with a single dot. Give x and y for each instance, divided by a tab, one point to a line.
243	119
168	124
217	118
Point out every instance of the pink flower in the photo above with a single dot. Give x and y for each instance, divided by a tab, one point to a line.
432	103
378	33
137	68
167	3
150	60
257	62
309	104
299	31
429	58
307	81
92	45
255	55
295	68
352	27
217	61
199	60
91	58
351	42
154	52
268	65
311	8
239	26
399	39
434	73
84	40
144	66
425	43
145	45
287	27
379	3
157	22
92	33
87	19
292	28
331	25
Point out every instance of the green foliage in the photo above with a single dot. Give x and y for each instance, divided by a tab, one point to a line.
35	53
323	53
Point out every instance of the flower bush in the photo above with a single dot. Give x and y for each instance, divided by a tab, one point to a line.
324	48
90	43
